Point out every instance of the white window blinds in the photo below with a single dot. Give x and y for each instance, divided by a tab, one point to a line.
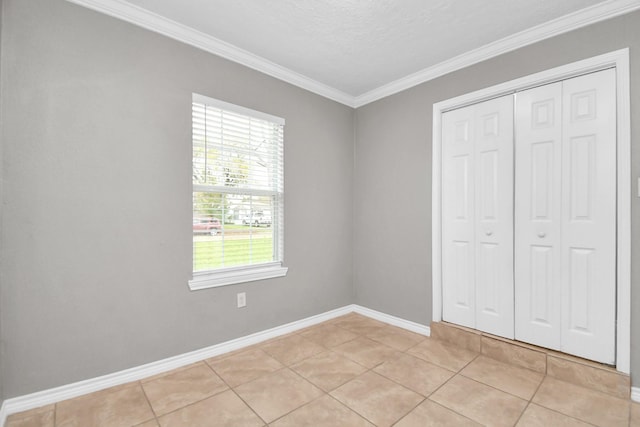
238	186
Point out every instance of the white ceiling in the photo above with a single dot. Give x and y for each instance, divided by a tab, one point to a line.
353	48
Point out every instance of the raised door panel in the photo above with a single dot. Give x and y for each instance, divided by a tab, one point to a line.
458	217
537	243
589	216
494	216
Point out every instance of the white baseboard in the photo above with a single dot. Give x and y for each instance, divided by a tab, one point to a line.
392	320
635	394
69	391
3	413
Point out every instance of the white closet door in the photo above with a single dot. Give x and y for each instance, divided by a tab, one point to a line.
589	216
494	216
538	158
565	216
458	217
477	216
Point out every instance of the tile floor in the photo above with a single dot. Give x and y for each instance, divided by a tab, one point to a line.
350	371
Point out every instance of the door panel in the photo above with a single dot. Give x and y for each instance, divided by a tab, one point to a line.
537	215
477	216
581	262
541	285
458	217
494	218
461	277
589	216
581	177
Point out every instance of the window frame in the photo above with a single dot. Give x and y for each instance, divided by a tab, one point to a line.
249	272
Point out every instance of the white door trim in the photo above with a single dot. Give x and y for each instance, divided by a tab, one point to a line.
618	59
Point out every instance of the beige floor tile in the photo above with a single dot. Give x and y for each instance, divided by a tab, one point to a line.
585	404
292	349
538	416
173	371
116	407
377	399
407	367
339	319
442	354
222	410
38	417
514	354
328	335
244	366
596	378
518	381
479	402
397	338
365	328
276	394
366	352
461	337
415	374
577	359
635	414
430	414
358	324
235	352
328	370
322	412
348	319
182	388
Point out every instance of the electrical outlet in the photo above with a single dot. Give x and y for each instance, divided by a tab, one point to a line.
242	299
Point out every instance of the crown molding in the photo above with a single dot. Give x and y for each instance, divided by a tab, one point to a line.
151	21
581	18
141	17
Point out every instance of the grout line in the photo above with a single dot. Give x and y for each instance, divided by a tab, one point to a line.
530	401
440	387
351	409
299	407
249	406
496	388
412	409
189	404
233	390
546	365
455	412
153	411
563	414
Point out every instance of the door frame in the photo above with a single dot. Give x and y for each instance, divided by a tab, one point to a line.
619	60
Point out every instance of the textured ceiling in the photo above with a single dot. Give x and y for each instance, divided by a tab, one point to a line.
356	46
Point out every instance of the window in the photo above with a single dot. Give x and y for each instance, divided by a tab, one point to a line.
238	189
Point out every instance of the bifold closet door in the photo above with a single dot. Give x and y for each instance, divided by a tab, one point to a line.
538	204
565	216
477	216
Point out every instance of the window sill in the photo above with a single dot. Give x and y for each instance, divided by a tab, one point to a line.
236	275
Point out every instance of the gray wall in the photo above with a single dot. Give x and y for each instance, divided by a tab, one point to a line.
95	222
96	226
1	175
392	179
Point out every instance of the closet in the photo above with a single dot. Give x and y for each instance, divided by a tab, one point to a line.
529	216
